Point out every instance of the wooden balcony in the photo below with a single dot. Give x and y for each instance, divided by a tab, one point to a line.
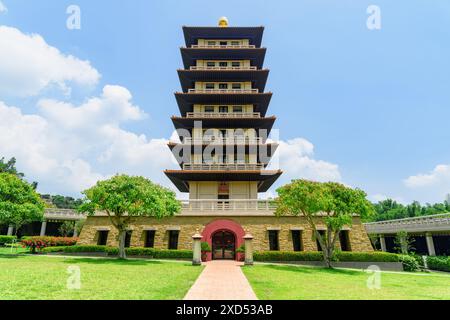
209	115
223	167
228	205
221	91
196	46
223	140
202	68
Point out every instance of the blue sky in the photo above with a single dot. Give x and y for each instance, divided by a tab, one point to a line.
373	103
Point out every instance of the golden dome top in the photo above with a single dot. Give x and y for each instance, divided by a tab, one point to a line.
223	22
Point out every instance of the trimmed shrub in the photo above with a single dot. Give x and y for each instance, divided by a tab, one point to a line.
284	256
132	252
7	239
38	243
409	263
439	263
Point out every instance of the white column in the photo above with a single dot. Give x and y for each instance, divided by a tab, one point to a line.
197	250
10	230
383	243
248	249
75	233
430	244
43	228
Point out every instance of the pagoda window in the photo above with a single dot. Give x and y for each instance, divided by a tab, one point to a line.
235	43
274	244
237	109
211	43
223	43
150	239
223	86
223	64
209	108
322	233
223	109
235	64
344	239
173	239
209	86
102	237
237	86
128	238
297	240
210	64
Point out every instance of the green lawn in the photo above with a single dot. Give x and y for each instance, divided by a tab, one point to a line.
18	250
42	278
274	282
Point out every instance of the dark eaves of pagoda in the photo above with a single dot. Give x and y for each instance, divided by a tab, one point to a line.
257	77
265	123
191	55
181	178
186	101
254	34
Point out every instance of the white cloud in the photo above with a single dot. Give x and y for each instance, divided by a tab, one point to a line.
431	186
28	65
295	158
3	8
68	148
439	176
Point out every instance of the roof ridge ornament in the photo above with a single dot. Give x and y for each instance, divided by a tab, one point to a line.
223	22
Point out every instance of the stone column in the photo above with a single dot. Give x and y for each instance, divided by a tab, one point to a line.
383	243
248	249
75	233
10	230
430	244
43	228
197	250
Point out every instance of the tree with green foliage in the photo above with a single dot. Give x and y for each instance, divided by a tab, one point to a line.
389	210
10	167
123	197
330	203
19	202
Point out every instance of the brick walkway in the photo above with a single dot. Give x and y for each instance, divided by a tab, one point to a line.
221	280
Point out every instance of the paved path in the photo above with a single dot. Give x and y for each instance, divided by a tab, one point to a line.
221	280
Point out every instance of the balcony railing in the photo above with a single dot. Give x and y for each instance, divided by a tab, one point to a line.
200	68
223	91
205	46
223	167
221	140
228	205
209	115
438	222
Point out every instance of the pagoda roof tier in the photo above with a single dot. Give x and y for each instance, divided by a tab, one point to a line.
257	77
191	55
260	101
192	34
240	123
265	178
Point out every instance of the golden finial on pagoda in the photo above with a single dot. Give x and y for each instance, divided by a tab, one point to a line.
223	22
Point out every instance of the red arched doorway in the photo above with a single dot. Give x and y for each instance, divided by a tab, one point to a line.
223	225
223	245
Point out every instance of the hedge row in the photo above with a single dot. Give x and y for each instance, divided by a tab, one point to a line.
439	263
132	252
7	239
285	256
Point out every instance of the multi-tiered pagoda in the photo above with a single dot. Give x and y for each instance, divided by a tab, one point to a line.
223	151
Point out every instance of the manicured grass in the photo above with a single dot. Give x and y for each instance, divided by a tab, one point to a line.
274	282
42	278
18	250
